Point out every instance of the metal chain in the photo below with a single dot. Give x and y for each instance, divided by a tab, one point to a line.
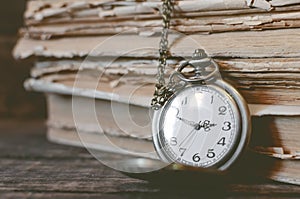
161	91
167	9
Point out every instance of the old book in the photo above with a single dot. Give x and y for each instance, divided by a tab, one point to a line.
268	44
196	24
273	125
62	130
102	142
269	87
41	10
270	76
63	18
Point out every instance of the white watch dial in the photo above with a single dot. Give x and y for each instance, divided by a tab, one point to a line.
199	126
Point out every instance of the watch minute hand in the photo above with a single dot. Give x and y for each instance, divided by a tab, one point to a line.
191	123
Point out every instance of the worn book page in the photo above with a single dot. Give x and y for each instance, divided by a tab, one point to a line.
277	43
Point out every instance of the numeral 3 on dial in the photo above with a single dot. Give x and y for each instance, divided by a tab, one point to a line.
227	126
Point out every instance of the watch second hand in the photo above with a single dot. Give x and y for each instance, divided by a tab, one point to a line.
195	135
189	135
193	140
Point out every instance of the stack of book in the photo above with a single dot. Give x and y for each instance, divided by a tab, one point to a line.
99	85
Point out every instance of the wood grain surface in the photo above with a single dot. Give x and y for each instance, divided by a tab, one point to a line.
31	167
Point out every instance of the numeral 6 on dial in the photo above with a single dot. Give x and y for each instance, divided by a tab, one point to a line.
196	158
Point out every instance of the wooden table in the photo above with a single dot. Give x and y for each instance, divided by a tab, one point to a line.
31	167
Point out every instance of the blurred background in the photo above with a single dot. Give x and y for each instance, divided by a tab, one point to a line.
15	102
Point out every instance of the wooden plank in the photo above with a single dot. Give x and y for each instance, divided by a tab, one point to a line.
65	175
27	140
46	170
78	176
46	195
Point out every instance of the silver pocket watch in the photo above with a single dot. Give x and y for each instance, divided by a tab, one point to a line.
202	121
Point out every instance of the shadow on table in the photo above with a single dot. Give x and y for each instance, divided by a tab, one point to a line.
248	178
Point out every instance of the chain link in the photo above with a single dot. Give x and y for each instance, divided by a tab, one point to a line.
161	91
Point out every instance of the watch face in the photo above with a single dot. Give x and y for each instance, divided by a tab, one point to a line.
199	126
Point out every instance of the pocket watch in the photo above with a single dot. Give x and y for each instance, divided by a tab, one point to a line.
200	120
